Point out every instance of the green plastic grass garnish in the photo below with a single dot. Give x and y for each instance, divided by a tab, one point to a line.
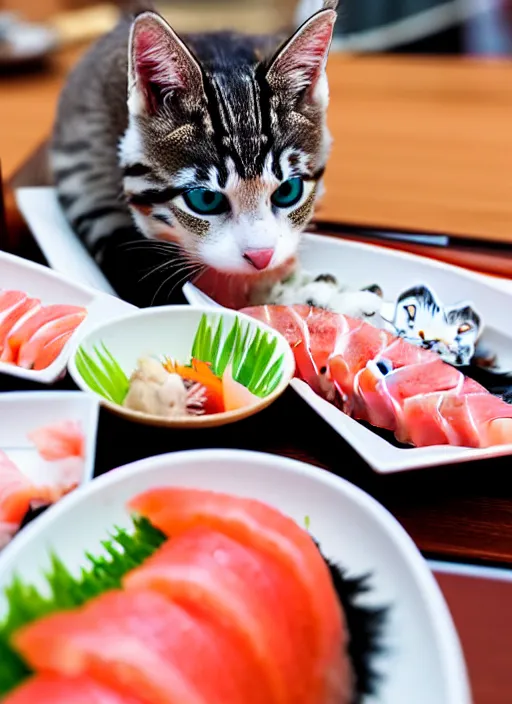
103	375
125	551
250	354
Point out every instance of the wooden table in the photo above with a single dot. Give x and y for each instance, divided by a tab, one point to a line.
419	143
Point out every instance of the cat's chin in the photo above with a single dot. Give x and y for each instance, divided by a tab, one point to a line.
240	289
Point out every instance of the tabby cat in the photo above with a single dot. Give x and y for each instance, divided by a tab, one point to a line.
211	147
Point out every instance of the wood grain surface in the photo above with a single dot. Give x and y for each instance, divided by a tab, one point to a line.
418	142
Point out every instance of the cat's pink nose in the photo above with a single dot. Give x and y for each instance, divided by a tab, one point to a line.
259	258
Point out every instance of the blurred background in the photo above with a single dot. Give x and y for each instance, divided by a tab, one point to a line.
480	27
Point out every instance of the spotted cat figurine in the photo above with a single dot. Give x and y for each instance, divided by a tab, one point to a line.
206	150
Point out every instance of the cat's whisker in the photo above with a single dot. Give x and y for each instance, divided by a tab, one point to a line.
186	269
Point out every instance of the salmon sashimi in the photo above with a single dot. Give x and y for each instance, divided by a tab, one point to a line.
257	526
51	350
34	346
237	585
389	382
16	491
10	315
142	642
25	328
33	335
59	440
55	689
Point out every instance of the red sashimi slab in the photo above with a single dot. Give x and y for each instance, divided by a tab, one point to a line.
260	527
56	689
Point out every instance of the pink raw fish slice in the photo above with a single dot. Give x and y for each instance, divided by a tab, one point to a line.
16	491
141	641
11	315
55	689
60	440
9	298
52	350
481	420
30	350
9	354
24	330
235	395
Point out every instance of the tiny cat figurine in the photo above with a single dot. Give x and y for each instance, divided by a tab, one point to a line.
451	331
211	146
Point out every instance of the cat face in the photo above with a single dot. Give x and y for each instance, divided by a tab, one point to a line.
452	332
225	157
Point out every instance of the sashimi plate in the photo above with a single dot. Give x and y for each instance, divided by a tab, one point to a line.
382	456
421	660
24	413
52	288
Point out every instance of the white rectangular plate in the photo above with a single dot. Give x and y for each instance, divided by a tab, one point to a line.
52	287
25	411
355	265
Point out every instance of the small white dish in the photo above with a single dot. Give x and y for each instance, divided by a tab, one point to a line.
24	412
170	331
422	661
51	287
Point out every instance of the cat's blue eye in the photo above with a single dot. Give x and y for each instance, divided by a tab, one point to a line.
205	202
289	193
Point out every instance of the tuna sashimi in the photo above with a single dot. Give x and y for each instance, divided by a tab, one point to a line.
146	644
258	526
55	689
26	328
59	440
389	382
266	607
30	350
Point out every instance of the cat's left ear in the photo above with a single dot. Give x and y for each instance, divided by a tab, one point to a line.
298	69
159	64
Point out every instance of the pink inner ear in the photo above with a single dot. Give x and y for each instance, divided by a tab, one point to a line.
155	63
303	60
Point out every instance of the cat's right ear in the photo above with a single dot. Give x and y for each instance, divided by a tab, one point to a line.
159	64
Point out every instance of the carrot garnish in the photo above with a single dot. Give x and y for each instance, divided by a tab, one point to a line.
201	373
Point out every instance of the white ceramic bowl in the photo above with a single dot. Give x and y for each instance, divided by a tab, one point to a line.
170	331
423	663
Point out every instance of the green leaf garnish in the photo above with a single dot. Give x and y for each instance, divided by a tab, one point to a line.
307	522
125	551
249	352
103	375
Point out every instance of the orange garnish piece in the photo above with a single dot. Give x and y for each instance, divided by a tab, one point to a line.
201	373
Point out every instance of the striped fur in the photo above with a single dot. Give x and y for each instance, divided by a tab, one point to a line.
147	116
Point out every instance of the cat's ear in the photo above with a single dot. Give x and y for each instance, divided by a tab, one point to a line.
298	69
159	64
